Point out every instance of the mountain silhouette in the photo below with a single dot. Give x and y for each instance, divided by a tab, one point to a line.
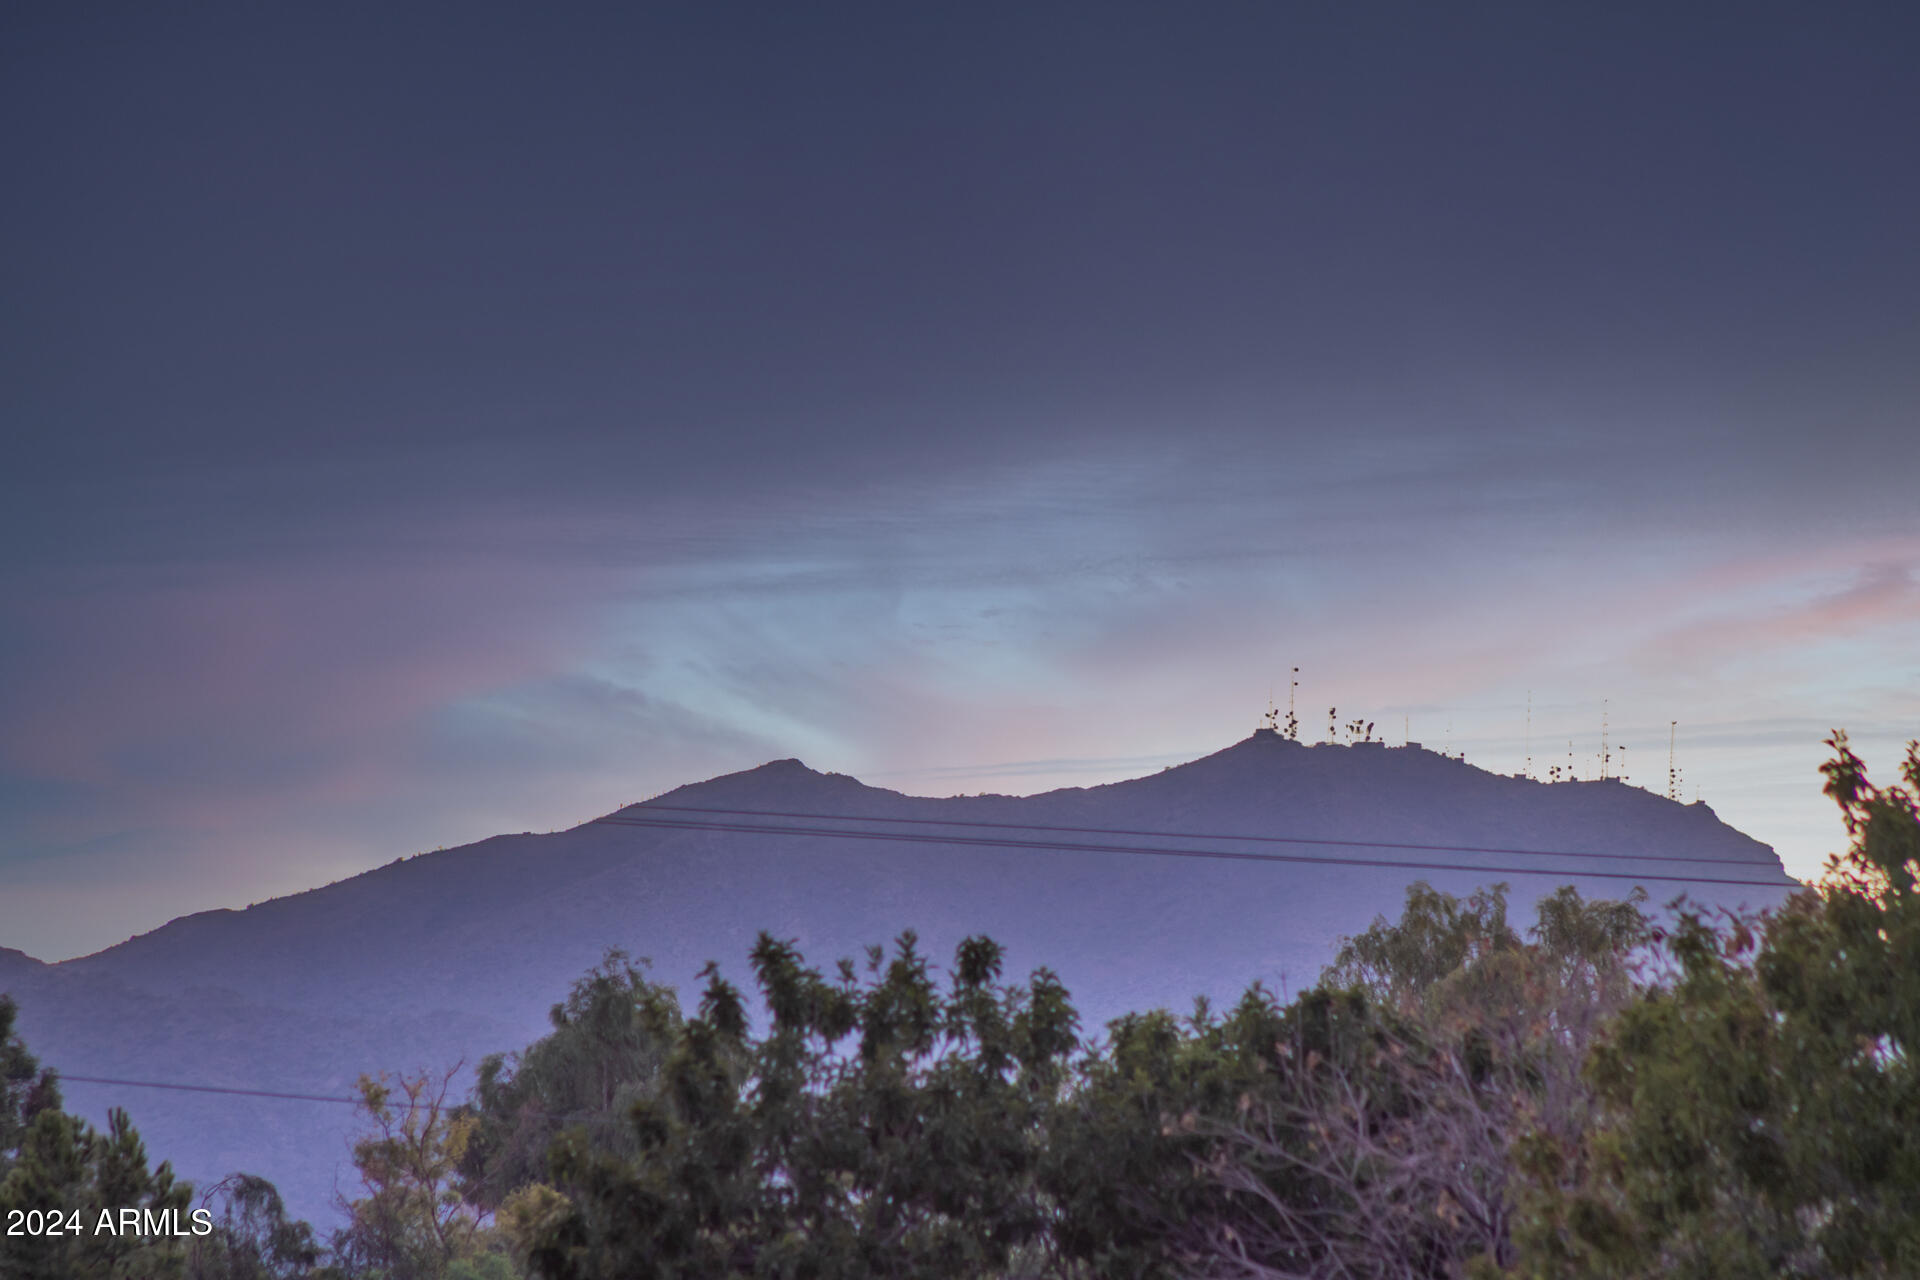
1248	864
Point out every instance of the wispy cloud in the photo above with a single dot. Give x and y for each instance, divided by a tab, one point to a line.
229	727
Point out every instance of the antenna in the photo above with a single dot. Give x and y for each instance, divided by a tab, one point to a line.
1528	771
1604	755
1293	721
1673	780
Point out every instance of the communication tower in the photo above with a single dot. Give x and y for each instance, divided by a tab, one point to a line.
1528	771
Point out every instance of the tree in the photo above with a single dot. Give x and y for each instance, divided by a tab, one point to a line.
54	1163
1399	963
609	1041
90	1180
412	1223
1760	1107
26	1088
1127	1149
1384	1144
252	1238
877	1128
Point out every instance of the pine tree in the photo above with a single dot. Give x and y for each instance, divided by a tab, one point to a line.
90	1180
26	1088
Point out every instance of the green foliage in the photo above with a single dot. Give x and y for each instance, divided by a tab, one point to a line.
252	1238
1127	1149
485	1266
412	1223
879	1127
886	1125
1437	937
26	1088
51	1162
67	1167
1382	1144
606	1050
1762	1107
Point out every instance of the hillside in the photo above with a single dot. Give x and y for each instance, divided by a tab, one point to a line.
448	956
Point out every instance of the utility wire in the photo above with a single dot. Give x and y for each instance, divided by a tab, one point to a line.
1055	846
206	1088
1175	835
911	837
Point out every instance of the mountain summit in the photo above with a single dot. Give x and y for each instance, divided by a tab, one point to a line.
1247	864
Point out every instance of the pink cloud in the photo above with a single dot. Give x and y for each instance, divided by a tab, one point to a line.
322	664
1879	595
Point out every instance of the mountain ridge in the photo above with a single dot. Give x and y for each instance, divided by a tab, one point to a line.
449	955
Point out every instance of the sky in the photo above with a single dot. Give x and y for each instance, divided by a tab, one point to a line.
423	422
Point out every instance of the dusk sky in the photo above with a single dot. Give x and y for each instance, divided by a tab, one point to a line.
425	422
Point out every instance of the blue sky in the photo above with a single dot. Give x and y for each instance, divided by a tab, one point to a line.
432	424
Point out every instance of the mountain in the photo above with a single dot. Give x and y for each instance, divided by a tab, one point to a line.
1247	864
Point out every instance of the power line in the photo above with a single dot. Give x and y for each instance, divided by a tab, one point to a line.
1048	845
207	1088
1221	854
1171	835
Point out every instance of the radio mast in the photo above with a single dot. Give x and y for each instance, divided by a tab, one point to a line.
1673	779
1604	757
1528	771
